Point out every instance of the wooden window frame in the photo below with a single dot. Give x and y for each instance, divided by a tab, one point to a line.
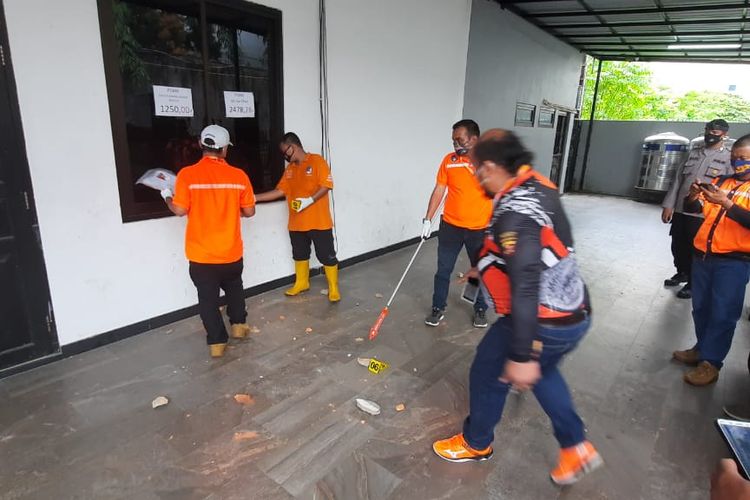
130	210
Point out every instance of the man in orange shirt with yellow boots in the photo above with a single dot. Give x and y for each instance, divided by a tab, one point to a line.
213	195
305	184
466	215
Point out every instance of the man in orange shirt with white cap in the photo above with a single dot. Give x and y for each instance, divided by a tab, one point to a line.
213	195
305	184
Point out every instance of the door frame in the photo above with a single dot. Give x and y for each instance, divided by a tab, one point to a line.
38	304
569	126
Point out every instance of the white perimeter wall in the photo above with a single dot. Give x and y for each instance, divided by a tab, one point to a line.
396	73
511	60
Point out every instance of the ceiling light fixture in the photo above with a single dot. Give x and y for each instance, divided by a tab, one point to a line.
687	46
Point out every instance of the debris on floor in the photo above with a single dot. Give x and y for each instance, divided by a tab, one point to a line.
368	406
363	362
282	318
160	401
244	399
254	329
324	291
308	330
378	295
245	435
400	407
359	339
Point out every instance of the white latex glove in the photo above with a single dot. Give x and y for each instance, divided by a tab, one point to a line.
166	193
299	204
426	228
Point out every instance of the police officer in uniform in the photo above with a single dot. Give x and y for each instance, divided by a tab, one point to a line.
704	163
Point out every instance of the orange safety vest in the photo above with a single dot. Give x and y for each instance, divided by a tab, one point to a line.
720	235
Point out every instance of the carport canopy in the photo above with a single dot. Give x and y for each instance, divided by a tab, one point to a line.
645	30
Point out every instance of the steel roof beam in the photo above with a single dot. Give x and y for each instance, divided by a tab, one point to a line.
627	24
645	34
651	10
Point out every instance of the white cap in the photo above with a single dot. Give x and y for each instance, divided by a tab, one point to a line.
215	137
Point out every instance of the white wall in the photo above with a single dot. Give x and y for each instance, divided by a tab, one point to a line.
511	60
396	72
614	159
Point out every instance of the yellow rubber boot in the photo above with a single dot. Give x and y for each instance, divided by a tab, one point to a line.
302	282
332	275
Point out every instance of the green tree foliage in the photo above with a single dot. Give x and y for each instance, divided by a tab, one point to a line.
705	106
626	92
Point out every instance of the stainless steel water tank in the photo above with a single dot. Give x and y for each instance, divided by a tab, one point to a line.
661	156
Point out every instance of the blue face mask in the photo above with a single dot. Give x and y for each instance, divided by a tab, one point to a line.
741	167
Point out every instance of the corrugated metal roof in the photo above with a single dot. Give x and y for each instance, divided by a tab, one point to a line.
645	30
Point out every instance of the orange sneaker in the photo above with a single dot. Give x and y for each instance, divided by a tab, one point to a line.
575	462
455	449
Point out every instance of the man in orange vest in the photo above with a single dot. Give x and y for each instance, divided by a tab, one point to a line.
213	195
466	214
305	184
721	265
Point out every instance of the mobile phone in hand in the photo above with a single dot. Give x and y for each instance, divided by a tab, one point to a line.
708	186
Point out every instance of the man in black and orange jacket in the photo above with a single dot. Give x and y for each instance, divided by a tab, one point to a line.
528	269
721	265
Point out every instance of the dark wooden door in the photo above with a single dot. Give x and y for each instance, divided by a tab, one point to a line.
26	322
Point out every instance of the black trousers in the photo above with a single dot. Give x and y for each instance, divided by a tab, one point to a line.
209	279
683	231
324	248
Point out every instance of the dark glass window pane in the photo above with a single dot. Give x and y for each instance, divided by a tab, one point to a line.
238	61
160	42
158	47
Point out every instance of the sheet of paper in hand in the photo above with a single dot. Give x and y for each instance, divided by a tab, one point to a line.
158	178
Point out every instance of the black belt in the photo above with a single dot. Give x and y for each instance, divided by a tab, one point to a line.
572	319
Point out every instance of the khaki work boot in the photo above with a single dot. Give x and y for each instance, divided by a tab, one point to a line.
332	275
302	280
240	330
217	350
704	374
689	357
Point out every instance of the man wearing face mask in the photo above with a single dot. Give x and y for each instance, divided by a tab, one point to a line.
703	164
305	185
466	214
528	268
721	265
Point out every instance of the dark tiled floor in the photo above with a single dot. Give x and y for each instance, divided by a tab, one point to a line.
84	427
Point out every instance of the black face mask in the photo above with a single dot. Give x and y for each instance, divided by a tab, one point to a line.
711	139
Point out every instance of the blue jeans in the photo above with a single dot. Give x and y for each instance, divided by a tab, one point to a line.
487	393
450	240
718	297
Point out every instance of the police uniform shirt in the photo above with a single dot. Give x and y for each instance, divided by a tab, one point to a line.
703	165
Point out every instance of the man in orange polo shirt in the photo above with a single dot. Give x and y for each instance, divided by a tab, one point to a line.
214	195
305	185
466	215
